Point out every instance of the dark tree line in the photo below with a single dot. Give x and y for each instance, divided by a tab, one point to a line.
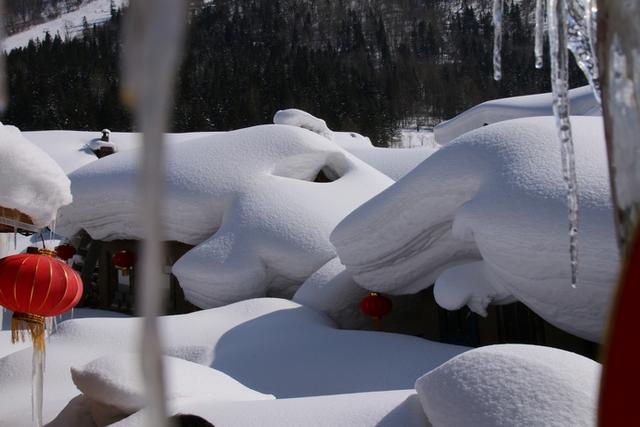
368	68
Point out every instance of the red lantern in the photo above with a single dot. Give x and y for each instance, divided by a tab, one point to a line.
36	286
375	306
65	251
124	261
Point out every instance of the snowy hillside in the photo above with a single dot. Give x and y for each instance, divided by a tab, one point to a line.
67	25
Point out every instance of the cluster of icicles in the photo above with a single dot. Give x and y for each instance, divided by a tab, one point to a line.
571	26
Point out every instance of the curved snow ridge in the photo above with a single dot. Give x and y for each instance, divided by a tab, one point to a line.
32	182
582	102
247	199
302	119
497	195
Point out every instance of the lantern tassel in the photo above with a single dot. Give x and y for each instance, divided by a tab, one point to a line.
21	323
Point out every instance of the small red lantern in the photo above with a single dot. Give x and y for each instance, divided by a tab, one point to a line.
124	261
65	251
34	287
376	305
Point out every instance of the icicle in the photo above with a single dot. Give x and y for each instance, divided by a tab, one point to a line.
153	38
51	324
581	28
557	22
539	50
37	383
498	6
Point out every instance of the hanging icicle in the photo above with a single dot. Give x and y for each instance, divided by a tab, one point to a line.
558	44
539	43
498	6
153	40
37	382
581	28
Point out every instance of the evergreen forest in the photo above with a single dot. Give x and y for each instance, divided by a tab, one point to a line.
371	66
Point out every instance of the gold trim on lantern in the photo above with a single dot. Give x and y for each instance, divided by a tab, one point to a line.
31	323
48	252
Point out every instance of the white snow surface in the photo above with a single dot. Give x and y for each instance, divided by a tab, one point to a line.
467	284
512	385
332	291
273	346
582	103
302	119
393	162
246	199
72	149
32	182
381	409
495	195
113	384
67	25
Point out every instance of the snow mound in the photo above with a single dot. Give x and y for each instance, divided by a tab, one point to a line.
467	284
73	149
393	162
32	182
582	103
248	199
302	119
332	291
273	346
508	385
381	409
115	381
495	195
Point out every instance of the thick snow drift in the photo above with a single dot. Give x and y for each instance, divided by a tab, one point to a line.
272	346
252	200
512	385
496	195
31	181
72	149
393	162
332	291
582	102
302	119
115	388
398	408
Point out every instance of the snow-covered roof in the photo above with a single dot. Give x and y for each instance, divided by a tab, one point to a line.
494	195
246	198
582	103
32	182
